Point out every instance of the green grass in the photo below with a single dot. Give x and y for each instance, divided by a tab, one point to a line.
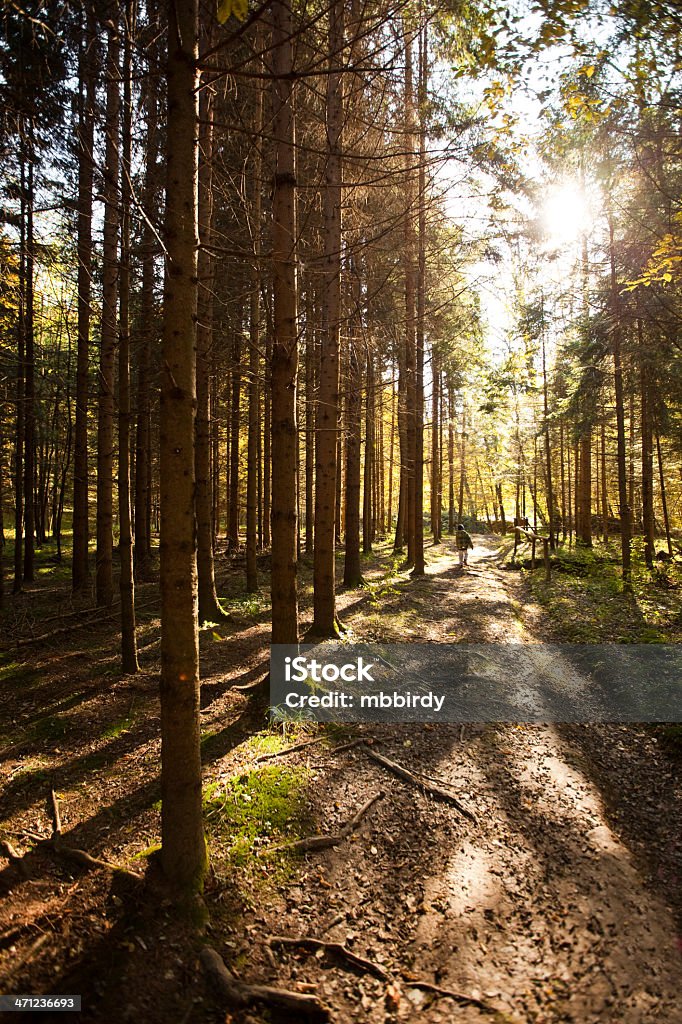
587	604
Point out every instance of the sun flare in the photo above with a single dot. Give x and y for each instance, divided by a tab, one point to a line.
565	214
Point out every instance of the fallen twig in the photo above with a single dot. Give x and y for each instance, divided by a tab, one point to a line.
289	750
239	994
308	743
427	787
369	966
446	993
325	842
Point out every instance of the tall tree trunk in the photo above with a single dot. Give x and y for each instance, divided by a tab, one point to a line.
267	441
310	412
584	488
435	447
368	477
352	573
209	606
391	450
500	501
327	419
235	437
252	459
21	417
625	512
143	436
462	464
410	259
29	373
125	544
664	500
548	447
604	489
419	566
451	464
647	454
562	465
184	856
80	568
105	407
284	362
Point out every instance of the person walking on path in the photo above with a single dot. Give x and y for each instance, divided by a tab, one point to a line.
463	542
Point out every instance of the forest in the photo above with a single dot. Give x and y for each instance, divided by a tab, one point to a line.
344	326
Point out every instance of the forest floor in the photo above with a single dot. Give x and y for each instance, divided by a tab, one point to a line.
561	903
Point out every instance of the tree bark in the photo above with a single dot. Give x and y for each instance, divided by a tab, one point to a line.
80	568
410	272
110	280
419	564
143	436
235	436
29	371
625	512
126	546
352	573
284	362
647	453
209	606
184	856
252	459
327	418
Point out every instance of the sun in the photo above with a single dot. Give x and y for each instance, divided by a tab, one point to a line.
565	213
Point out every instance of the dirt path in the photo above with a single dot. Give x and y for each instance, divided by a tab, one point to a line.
541	910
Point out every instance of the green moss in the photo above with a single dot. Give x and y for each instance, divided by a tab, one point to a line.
148	851
262	808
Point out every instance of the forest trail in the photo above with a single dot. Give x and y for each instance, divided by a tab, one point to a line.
541	910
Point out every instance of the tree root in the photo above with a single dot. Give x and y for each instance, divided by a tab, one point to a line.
325	842
457	997
237	993
16	859
336	948
77	855
404	773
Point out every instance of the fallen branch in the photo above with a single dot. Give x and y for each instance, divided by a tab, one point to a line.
347	746
289	750
457	997
308	743
239	994
404	773
92	617
325	842
368	966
